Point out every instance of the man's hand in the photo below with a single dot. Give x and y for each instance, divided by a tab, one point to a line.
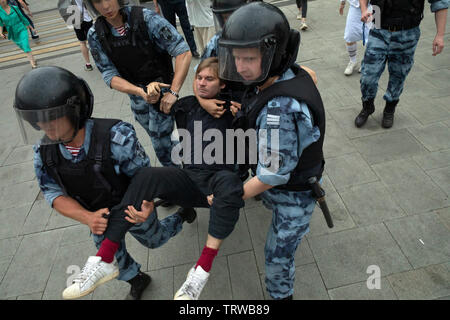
438	45
214	107
154	90
145	96
341	8
96	222
235	107
366	16
167	102
135	216
210	199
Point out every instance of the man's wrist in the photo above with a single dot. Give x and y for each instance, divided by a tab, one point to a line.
172	92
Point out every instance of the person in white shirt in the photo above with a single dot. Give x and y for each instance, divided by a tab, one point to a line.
201	18
353	32
81	33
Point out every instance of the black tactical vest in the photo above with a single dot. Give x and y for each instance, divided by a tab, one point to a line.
403	14
135	56
93	182
302	89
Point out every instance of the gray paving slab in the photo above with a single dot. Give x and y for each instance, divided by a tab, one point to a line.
245	280
392	145
343	257
423	238
32	265
370	204
349	170
427	283
360	291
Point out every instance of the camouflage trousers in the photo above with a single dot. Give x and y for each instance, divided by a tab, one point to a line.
159	127
152	234
397	50
291	213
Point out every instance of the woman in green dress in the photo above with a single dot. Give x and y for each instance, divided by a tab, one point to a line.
16	25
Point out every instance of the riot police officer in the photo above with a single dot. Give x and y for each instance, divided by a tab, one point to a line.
394	42
288	114
84	165
132	46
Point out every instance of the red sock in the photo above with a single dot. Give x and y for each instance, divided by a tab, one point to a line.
107	250
206	258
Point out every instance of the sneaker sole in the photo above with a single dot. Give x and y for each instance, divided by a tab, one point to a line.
102	281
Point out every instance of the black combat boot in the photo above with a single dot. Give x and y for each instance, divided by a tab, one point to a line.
388	114
138	285
367	110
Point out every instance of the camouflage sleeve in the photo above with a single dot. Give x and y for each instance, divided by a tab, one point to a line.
437	5
211	47
102	61
47	184
164	34
285	137
126	151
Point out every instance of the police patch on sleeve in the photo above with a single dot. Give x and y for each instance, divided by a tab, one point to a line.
140	152
273	114
166	34
118	138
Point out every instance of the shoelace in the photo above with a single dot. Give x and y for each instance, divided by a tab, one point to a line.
86	272
193	285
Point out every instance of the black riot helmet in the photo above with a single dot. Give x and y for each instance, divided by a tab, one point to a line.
46	94
256	31
222	9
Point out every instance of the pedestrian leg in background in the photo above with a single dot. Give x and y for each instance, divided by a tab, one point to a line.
400	61
302	6
373	66
82	37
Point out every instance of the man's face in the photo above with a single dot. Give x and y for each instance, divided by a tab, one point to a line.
107	8
248	62
60	129
208	84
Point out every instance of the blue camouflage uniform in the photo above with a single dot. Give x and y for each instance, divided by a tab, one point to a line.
158	125
291	210
211	47
397	48
128	156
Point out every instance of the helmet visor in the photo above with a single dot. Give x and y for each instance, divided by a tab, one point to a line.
94	13
245	62
49	126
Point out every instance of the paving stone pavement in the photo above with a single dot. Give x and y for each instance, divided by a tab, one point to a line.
388	191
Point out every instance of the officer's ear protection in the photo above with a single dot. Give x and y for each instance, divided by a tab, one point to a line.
292	48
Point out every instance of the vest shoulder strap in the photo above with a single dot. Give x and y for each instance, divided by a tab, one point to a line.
301	88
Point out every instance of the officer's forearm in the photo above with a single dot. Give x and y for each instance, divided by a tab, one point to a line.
363	5
441	20
182	62
70	208
124	86
253	187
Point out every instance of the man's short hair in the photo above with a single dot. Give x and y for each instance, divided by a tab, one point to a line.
212	63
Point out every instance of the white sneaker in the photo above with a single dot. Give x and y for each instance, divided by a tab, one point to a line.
304	26
350	67
299	16
194	284
94	273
